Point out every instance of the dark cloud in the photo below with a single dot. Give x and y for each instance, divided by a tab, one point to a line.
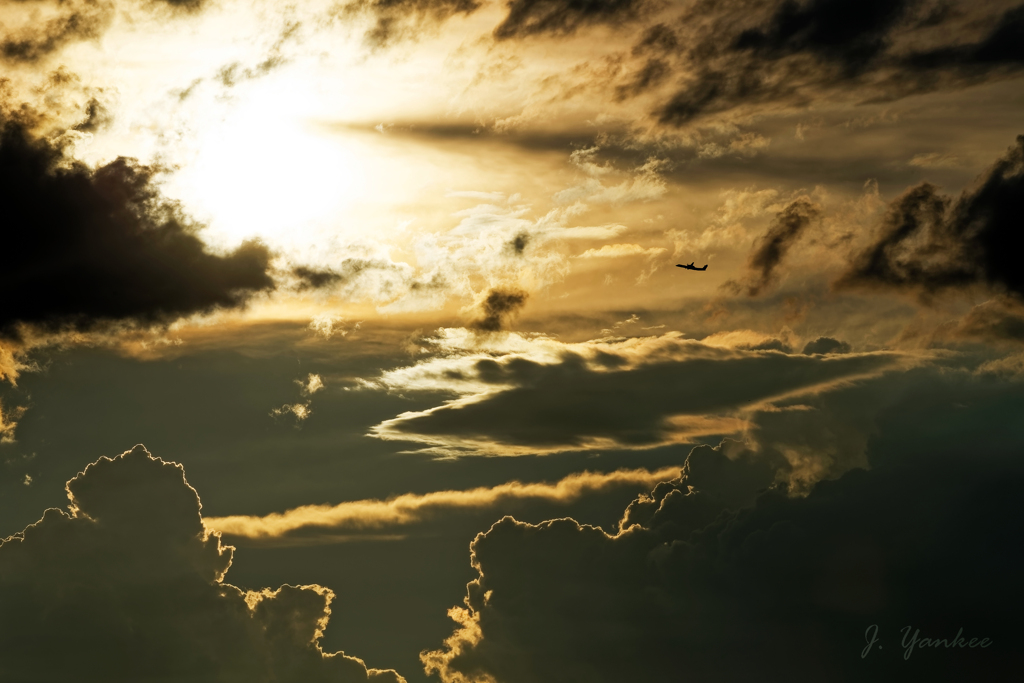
75	21
823	345
357	274
793	583
313	278
740	53
574	404
517	245
399	19
998	320
850	33
67	22
1002	46
188	5
85	247
128	586
498	309
564	17
771	248
652	73
97	117
930	242
233	74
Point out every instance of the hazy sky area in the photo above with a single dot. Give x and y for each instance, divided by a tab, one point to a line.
391	288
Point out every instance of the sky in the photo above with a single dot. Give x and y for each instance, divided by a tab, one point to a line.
345	341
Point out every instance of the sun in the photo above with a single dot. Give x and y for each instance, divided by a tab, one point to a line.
263	169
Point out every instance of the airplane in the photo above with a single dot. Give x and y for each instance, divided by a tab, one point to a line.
691	266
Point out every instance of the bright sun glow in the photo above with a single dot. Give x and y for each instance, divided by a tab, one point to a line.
264	171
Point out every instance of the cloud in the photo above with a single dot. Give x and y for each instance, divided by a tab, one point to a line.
565	17
48	32
88	247
9	422
499	307
97	117
351	274
771	248
128	585
930	242
634	393
45	28
233	74
740	54
646	183
395	20
300	411
517	245
998	320
312	384
327	325
934	160
825	345
363	517
619	250
696	574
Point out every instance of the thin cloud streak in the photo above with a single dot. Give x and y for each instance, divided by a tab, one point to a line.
408	509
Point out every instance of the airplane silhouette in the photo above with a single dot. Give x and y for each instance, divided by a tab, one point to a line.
691	266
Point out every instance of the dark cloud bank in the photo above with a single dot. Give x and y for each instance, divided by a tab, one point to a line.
928	242
783	590
931	242
127	585
741	52
569	404
715	56
85	247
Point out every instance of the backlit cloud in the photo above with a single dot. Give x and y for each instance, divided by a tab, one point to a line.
129	585
366	517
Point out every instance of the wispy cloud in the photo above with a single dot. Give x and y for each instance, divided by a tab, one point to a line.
366	517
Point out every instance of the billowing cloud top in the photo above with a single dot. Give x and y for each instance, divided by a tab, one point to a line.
128	586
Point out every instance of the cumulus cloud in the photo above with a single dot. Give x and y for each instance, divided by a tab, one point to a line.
771	248
128	585
931	243
87	247
301	411
696	574
327	523
312	384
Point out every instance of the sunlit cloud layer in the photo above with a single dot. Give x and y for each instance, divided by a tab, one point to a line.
344	259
